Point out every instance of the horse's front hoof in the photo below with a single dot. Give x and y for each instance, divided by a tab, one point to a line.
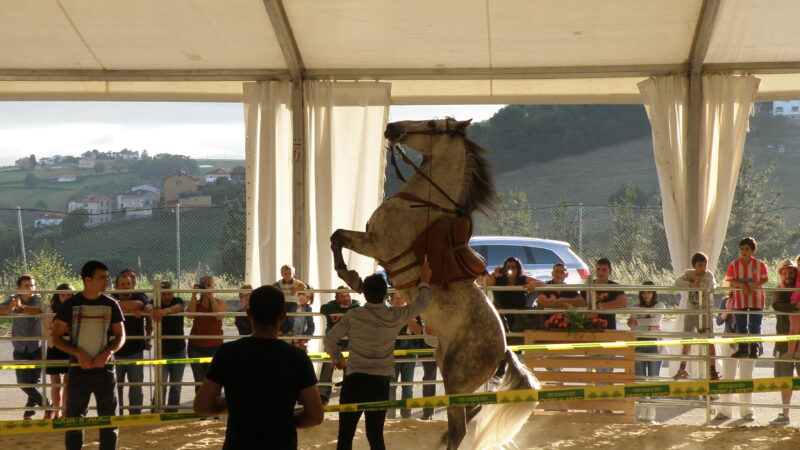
338	239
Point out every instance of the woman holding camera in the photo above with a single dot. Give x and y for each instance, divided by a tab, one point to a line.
511	274
204	326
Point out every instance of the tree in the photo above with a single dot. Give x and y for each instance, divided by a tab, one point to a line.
628	239
40	204
514	216
33	161
99	167
233	246
75	222
31	180
565	222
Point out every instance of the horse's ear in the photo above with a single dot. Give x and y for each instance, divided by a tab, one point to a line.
463	124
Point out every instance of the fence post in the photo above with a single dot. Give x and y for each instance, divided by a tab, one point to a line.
580	229
22	240
178	245
159	368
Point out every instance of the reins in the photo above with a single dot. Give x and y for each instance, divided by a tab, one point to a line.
418	202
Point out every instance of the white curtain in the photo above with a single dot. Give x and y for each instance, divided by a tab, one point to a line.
268	142
345	165
666	101
727	102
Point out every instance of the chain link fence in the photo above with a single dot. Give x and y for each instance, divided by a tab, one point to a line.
635	234
157	243
211	240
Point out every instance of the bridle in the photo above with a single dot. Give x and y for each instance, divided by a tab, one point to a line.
394	148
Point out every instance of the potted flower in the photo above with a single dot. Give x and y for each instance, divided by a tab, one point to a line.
573	321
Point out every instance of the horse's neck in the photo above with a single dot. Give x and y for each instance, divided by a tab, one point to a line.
446	169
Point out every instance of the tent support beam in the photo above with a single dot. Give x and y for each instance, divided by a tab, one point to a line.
700	44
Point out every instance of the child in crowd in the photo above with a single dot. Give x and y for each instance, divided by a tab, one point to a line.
697	277
647	321
747	274
304	325
289	285
794	326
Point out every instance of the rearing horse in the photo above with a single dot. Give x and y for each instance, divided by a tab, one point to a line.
453	179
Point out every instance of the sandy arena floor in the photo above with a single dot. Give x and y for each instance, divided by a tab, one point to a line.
417	434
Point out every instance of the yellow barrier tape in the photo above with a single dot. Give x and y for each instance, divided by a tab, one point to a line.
516	348
671	389
9	427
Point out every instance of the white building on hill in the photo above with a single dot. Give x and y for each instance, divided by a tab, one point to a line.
98	207
139	201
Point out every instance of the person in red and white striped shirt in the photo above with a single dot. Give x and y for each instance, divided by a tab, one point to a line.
748	274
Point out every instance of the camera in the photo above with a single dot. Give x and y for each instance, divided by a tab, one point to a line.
201	285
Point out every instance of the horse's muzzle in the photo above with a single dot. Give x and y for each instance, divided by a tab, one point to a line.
393	132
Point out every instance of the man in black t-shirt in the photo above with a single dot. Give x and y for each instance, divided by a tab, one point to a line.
134	348
607	299
171	325
263	378
93	321
557	299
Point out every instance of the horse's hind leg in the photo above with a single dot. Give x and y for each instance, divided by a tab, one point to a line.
456	427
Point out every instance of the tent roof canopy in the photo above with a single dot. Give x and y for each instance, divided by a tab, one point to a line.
451	50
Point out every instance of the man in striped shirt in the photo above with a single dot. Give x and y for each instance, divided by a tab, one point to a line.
748	274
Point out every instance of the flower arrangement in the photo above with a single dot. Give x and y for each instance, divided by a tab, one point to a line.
574	321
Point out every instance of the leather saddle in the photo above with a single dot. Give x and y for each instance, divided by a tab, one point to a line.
445	242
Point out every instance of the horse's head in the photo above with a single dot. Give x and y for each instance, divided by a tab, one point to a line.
416	134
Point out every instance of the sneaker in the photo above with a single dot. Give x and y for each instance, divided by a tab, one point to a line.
426	417
653	422
749	417
682	373
780	420
714	375
720	416
753	353
740	354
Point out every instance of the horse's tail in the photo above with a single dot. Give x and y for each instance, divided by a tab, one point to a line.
497	424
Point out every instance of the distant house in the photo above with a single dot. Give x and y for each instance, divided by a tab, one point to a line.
194	199
128	155
65	178
46	161
786	108
98	207
237	174
23	162
214	175
86	163
176	184
49	219
146	187
138	202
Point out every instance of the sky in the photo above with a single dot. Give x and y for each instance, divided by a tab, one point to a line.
198	130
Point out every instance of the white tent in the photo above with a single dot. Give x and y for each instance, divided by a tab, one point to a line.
684	59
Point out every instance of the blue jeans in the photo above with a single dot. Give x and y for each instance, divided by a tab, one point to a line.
748	324
135	374
30	376
173	373
199	369
404	371
81	384
647	368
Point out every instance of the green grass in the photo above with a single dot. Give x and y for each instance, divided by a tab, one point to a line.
151	240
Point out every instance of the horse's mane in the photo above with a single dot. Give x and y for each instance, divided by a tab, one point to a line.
478	191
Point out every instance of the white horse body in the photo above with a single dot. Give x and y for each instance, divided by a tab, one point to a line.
470	332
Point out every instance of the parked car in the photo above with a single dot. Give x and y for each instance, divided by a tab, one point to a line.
537	255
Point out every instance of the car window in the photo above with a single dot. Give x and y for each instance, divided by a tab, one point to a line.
496	254
544	256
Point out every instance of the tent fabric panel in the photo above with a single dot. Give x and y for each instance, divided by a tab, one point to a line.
755	31
544	33
188	91
360	34
540	91
142	35
36	35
